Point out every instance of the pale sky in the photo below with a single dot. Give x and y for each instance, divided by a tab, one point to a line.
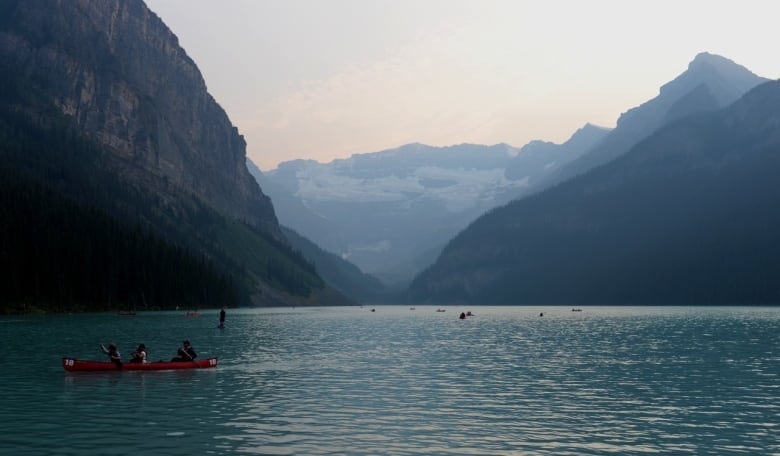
325	79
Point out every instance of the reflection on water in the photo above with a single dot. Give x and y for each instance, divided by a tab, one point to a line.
401	381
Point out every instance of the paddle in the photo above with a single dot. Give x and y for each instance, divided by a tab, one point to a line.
192	360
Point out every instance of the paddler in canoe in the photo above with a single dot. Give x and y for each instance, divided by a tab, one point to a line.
139	355
186	353
113	354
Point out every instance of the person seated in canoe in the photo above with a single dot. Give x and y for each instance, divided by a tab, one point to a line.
185	352
112	353
139	355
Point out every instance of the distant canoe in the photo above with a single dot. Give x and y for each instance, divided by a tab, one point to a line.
126	313
192	314
77	365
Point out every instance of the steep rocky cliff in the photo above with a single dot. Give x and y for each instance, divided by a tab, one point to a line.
116	70
103	116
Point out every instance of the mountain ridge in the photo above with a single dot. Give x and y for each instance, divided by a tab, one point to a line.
724	79
685	217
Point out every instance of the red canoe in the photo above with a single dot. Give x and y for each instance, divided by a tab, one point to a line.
77	365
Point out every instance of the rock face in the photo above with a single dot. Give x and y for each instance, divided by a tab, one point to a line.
116	70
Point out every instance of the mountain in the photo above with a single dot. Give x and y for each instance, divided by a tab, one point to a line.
390	212
687	216
336	271
102	111
292	210
710	82
134	90
340	274
538	160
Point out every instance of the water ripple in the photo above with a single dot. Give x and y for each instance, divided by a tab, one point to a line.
400	382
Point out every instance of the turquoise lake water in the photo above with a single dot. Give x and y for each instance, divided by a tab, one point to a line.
607	380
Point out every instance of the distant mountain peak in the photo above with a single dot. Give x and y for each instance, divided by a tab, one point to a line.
726	68
589	125
587	135
589	128
726	79
705	58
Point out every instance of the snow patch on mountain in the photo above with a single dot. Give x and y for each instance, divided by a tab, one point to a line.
457	188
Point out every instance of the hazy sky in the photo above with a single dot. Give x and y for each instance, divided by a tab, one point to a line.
324	79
